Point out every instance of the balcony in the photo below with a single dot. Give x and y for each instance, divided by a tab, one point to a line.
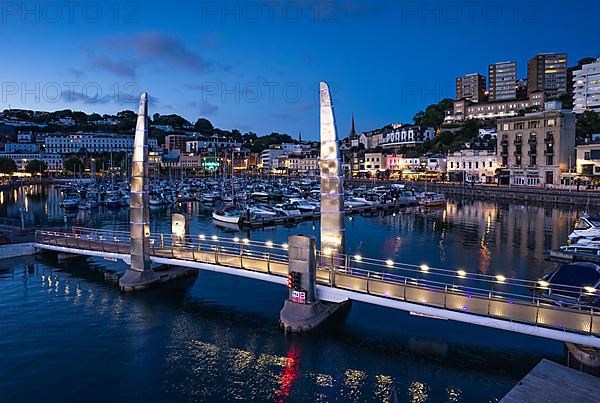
532	140
549	152
532	152
504	142
549	139
518	141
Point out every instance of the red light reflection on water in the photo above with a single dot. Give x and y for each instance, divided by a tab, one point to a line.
291	371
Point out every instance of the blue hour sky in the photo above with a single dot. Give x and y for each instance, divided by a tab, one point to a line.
256	65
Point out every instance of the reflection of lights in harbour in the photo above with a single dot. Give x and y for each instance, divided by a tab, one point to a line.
454	395
291	371
418	392
354	380
383	386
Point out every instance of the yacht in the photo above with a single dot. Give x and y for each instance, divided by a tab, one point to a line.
210	197
302	204
228	214
586	227
258	195
287	209
573	284
431	199
356	202
262	211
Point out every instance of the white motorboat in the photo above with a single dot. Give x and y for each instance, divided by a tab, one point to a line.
302	204
584	245
260	195
228	214
287	209
356	202
262	211
431	199
586	227
210	197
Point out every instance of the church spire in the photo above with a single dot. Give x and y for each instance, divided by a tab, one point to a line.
353	130
300	137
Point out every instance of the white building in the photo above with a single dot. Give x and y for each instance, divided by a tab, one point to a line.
476	166
588	160
21	147
53	161
210	144
434	163
24	137
92	143
586	88
374	162
303	165
268	157
408	136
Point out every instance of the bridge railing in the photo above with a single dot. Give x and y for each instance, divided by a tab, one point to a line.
514	300
493	297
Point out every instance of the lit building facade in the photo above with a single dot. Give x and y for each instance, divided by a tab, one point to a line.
586	88
91	142
536	148
475	166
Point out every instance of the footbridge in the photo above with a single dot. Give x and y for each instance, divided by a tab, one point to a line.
508	304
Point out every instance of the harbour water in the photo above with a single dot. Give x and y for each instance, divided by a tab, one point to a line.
65	329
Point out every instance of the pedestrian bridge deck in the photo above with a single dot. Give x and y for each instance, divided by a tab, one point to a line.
507	304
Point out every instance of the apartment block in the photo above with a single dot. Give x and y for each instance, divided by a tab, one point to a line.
471	87
586	88
502	78
548	72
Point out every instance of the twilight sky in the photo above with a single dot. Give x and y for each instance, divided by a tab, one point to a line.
256	65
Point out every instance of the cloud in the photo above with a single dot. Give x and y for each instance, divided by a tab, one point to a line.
118	68
155	48
120	98
123	55
204	108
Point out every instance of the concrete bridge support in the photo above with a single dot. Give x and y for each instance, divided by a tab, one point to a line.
302	311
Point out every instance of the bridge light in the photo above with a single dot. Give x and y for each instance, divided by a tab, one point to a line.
285	246
461	273
246	241
215	238
590	290
269	244
389	262
358	258
424	268
500	278
236	239
543	284
201	236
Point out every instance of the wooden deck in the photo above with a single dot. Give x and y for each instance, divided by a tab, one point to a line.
552	382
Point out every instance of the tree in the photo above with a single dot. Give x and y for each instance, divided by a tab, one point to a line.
588	123
434	114
204	126
35	167
7	166
73	164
